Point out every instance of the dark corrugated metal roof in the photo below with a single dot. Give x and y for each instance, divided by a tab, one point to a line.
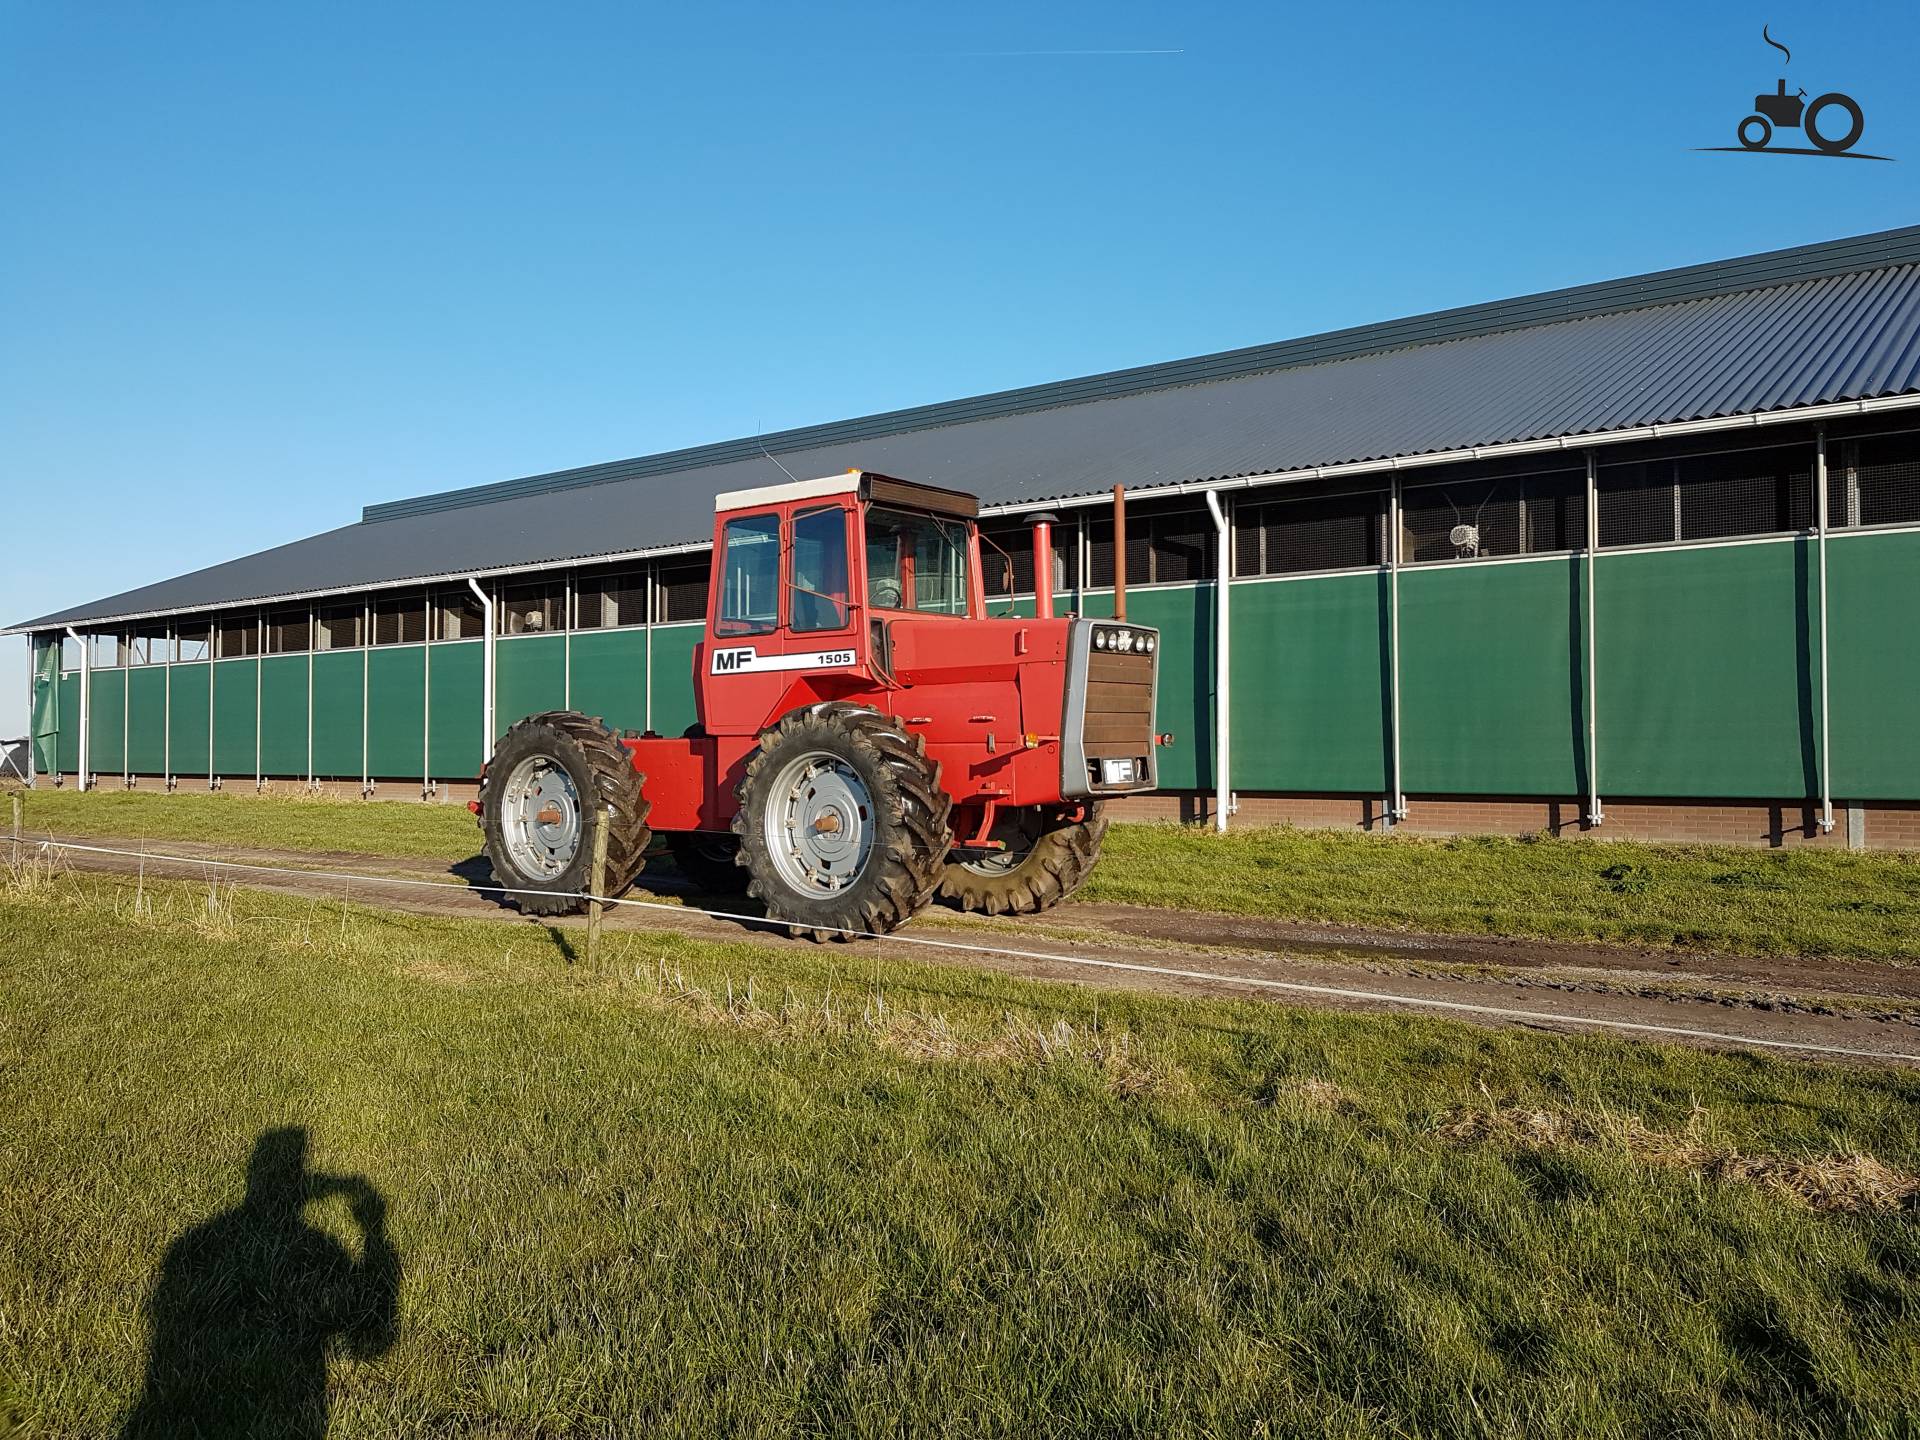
1692	282
1823	337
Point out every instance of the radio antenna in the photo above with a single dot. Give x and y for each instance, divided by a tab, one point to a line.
769	454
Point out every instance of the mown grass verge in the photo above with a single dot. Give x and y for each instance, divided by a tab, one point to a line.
718	1191
1699	897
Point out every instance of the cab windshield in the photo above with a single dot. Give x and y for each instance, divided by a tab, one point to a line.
916	562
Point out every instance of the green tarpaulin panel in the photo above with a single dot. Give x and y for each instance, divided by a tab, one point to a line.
397	712
235	693
1310	706
187	708
610	676
1492	678
147	720
283	716
46	706
1184	618
529	675
338	719
69	706
673	702
107	723
1707	673
453	738
1873	594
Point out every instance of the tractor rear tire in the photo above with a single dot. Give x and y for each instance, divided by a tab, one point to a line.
564	765
842	822
1046	859
711	862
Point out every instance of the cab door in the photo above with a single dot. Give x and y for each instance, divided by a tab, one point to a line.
822	636
738	688
781	617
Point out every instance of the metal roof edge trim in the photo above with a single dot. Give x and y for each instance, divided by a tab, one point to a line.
1761	271
1751	420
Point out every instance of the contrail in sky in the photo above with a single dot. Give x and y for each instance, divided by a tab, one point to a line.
1013	54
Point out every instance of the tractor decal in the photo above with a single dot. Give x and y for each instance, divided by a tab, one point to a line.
744	659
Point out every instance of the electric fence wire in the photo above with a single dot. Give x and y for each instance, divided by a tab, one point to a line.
1257	982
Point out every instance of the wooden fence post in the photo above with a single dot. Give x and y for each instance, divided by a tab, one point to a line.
597	887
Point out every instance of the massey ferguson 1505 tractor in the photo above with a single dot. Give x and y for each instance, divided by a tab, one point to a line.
868	736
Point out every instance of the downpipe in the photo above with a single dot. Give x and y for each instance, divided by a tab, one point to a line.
486	668
1222	664
86	704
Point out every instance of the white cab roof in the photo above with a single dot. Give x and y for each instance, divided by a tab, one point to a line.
844	483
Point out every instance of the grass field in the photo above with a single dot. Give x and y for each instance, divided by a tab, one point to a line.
717	1191
1686	896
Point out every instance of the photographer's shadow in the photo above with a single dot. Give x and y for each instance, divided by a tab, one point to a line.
250	1305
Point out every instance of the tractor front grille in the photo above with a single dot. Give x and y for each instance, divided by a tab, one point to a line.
1119	719
1108	733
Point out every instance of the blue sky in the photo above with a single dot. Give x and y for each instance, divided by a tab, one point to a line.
260	265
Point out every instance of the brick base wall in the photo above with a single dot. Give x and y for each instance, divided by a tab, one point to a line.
1880	825
1877	825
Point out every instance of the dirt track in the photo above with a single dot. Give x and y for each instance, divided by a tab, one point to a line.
1849	1005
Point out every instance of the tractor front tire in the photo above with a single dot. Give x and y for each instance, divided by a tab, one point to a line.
842	822
539	795
1047	856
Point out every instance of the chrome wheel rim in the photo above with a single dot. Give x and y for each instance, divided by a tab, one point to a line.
1019	832
819	825
540	819
992	863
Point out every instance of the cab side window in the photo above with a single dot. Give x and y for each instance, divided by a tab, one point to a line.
749	601
819	570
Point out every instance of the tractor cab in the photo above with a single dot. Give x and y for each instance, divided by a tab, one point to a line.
811	580
868	737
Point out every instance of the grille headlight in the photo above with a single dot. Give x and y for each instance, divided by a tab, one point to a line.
1099	639
1151	643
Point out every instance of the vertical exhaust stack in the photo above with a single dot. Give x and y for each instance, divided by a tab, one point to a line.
1119	552
1043	565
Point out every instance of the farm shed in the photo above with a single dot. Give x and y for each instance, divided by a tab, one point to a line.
1641	555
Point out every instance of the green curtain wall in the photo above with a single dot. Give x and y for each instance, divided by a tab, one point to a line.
189	704
339	688
147	720
1707	686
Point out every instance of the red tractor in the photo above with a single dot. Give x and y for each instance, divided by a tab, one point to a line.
868	736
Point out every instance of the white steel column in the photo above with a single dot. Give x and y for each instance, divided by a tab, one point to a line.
259	682
426	696
486	669
313	639
213	654
1222	718
655	610
366	697
1595	815
1397	805
86	690
1820	530
166	725
33	733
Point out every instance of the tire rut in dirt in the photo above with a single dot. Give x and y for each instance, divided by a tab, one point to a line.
1060	854
599	768
909	819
